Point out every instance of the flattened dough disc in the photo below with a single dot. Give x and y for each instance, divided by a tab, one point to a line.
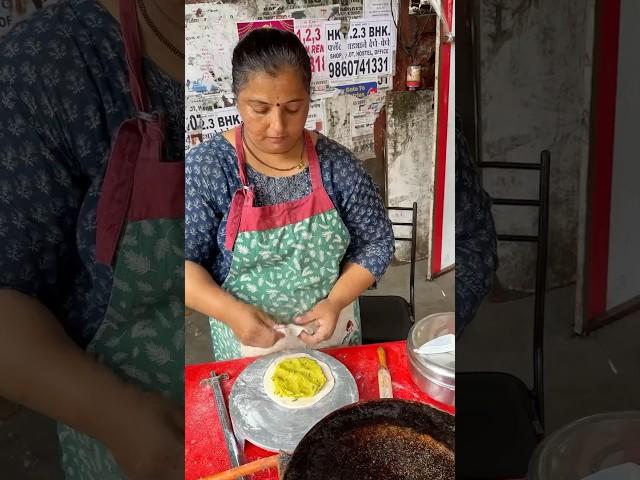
296	403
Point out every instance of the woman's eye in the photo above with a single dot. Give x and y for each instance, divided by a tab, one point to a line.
293	111
260	111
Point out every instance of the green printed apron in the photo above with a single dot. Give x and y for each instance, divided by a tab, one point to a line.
140	233
286	259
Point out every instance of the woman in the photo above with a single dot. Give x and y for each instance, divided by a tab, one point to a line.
284	228
87	273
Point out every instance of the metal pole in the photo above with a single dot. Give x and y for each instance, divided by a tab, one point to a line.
541	283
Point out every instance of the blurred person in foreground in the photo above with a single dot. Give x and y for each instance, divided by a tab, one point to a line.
91	223
476	249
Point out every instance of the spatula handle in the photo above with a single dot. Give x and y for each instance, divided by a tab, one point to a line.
382	357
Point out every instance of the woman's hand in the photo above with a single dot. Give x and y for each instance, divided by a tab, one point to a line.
323	319
253	327
147	437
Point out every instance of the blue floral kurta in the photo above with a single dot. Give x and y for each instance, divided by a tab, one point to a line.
476	256
63	93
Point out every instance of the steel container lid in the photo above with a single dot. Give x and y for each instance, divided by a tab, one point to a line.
439	368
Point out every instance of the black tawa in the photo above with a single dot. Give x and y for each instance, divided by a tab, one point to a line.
377	440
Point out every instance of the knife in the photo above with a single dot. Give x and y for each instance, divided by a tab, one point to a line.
384	377
235	450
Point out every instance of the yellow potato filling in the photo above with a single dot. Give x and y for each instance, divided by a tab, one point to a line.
298	378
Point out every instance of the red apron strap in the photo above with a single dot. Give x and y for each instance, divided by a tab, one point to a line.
243	198
240	154
138	139
115	194
133	51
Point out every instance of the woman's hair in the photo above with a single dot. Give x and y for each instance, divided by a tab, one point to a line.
269	50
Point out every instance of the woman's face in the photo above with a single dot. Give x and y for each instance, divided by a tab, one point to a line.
274	109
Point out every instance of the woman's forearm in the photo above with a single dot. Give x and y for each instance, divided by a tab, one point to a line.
352	282
203	294
43	369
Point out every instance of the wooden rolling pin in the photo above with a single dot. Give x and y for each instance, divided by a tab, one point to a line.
384	377
247	469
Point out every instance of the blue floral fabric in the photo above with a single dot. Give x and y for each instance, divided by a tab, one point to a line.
476	254
212	178
271	190
63	93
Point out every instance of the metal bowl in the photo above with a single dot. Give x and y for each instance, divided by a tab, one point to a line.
433	374
589	446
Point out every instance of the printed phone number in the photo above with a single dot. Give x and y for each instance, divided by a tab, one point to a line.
349	68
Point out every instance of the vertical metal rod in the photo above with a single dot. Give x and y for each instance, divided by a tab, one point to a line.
541	284
235	452
414	233
476	50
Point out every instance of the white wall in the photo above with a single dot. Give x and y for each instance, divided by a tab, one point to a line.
410	154
624	235
535	95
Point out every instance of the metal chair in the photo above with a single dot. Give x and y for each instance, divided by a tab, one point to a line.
387	318
499	419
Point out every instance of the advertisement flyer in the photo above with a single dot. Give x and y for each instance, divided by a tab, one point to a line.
365	50
359	90
218	121
312	34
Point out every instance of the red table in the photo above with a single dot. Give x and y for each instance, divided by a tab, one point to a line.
205	448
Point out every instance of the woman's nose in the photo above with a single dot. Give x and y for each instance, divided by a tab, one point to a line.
278	122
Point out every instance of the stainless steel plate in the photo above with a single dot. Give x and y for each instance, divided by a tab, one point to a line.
258	419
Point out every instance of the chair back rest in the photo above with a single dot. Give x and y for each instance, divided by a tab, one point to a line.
541	238
407	218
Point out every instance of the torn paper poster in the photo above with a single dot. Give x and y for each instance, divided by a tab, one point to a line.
381	8
269	9
362	123
316	117
210	34
350	9
245	27
323	12
350	121
363	113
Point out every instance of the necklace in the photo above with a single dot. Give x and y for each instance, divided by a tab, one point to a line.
156	30
299	165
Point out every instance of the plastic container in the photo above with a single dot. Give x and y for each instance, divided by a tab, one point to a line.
433	374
